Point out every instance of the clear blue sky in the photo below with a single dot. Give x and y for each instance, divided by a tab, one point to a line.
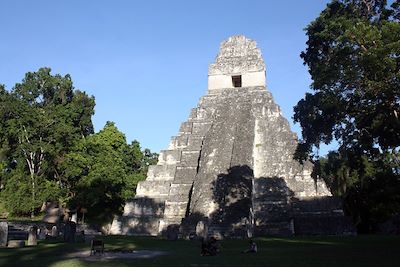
146	61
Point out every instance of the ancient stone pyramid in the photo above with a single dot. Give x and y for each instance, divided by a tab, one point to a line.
231	163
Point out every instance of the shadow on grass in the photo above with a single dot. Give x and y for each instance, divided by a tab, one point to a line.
52	253
45	254
315	251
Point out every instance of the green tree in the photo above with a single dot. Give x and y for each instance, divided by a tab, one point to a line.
102	173
135	160
339	173
41	118
353	56
149	158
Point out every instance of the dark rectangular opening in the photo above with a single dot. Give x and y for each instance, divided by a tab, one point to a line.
237	81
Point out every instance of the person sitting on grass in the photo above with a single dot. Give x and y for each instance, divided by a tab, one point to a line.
252	248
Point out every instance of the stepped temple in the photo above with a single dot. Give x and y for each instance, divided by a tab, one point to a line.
231	165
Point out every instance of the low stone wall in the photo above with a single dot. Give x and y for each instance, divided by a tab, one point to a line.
18	230
321	216
25	225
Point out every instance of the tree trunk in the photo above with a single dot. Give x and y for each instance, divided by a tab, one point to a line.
33	195
31	166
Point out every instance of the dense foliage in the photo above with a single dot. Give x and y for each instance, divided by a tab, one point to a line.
49	152
102	171
353	55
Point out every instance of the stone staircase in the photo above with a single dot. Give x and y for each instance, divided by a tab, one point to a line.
272	210
321	216
163	198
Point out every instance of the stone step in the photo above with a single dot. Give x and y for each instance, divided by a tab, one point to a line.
179	142
179	198
161	172
186	142
153	189
323	225
171	221
178	189
144	206
169	157
205	114
185	175
175	209
165	222
208	101
194	142
193	113
313	205
201	128
279	228
272	212
140	226
186	127
190	158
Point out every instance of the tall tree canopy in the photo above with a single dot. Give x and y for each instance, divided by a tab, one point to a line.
49	151
353	56
41	118
101	172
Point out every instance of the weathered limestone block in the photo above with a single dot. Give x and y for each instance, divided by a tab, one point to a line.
3	234
201	128
195	142
116	226
32	237
166	223
204	113
186	127
185	174
169	157
180	189
144	206
190	158
179	142
321	216
193	113
207	105
141	225
175	209
161	172
155	189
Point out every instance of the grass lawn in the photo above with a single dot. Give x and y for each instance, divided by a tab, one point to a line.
306	251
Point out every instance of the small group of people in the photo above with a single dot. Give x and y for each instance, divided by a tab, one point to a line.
211	247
